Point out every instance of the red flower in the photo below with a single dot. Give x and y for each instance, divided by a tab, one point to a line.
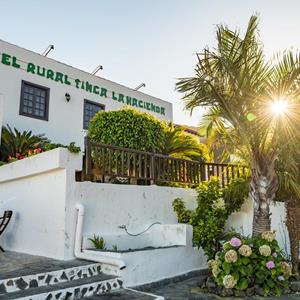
29	152
37	150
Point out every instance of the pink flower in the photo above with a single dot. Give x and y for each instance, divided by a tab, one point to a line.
274	254
235	242
270	265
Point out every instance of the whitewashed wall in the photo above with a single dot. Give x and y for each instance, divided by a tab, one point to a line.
34	189
65	118
42	192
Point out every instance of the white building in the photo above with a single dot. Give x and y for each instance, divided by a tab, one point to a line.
46	96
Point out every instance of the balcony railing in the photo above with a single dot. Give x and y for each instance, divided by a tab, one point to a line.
107	163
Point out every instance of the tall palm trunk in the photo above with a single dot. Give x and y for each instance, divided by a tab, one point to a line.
293	224
263	186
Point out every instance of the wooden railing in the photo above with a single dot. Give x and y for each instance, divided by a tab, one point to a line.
107	163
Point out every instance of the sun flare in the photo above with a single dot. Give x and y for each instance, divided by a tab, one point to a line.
279	107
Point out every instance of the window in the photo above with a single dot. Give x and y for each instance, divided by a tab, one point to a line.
90	109
34	101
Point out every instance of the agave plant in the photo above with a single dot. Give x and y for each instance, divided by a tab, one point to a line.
14	142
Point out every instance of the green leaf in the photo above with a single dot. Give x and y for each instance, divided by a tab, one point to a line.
243	284
226	267
270	283
245	260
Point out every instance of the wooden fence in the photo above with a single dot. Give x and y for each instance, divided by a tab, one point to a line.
107	163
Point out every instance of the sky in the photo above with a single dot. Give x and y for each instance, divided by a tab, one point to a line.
151	41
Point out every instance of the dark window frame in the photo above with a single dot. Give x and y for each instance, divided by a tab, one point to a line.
34	85
86	101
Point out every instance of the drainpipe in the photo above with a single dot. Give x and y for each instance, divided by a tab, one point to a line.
92	257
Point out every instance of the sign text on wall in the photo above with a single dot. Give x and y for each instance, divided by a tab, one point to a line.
62	78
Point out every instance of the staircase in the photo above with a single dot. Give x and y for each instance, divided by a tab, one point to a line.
73	282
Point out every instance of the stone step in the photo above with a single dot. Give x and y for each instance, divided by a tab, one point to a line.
53	277
69	290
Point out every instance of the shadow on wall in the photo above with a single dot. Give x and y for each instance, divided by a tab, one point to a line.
242	222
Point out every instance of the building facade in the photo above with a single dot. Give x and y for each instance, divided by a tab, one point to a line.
46	96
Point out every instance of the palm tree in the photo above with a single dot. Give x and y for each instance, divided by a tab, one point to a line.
178	143
241	86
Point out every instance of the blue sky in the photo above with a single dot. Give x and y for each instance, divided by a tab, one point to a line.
151	41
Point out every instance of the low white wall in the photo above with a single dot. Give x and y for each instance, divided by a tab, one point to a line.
107	206
35	189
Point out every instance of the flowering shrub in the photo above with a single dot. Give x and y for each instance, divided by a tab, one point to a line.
247	262
20	156
30	152
215	205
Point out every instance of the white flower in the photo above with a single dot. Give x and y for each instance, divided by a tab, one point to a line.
229	281
219	204
215	270
265	250
226	246
231	256
211	263
269	235
245	250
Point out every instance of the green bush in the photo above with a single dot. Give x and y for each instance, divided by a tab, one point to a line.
71	147
128	128
246	262
215	205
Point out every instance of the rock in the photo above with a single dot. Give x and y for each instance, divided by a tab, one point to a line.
259	291
210	283
226	292
218	290
250	291
239	293
202	281
295	286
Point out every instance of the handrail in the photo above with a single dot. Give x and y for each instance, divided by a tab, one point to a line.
108	163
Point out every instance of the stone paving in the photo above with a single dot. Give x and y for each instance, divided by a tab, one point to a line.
189	289
14	264
123	295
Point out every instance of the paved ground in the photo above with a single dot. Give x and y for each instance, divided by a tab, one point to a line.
123	295
189	290
14	264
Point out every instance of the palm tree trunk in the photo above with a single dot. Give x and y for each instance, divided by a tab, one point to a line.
263	186
293	224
